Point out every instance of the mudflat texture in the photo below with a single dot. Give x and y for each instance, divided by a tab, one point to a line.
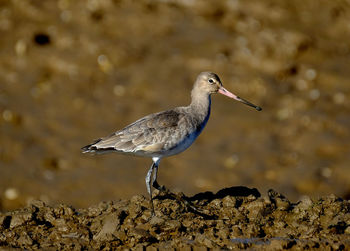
233	218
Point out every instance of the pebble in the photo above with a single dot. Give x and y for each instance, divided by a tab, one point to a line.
310	74
20	219
11	193
314	94
7	115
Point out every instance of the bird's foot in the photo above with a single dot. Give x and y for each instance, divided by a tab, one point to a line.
159	187
181	197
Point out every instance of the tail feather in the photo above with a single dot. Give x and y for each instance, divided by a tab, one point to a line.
90	148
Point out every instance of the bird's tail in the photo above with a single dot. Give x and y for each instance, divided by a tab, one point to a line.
91	148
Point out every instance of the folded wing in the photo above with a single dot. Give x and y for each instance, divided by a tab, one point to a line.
149	134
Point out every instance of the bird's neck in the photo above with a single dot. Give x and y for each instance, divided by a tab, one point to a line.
200	105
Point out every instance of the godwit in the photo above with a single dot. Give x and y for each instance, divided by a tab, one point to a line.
166	133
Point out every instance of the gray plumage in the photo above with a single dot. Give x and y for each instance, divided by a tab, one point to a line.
151	136
160	134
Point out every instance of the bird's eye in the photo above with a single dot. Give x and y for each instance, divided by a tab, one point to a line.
211	80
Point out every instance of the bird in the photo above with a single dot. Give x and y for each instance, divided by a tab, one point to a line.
166	133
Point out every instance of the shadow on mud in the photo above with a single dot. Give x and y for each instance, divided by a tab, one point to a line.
196	203
236	191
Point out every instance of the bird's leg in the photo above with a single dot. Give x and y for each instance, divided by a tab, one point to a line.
155	172
154	179
148	185
151	178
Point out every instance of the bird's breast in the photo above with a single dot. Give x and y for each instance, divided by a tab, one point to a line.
181	144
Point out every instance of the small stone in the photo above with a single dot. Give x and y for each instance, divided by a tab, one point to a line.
150	248
255	208
280	201
137	199
140	233
25	240
302	85
231	161
119	90
305	203
326	172
347	230
104	63
66	16
20	219
2	220
172	225
187	223
110	224
229	201
284	113
314	94
223	233
310	74
339	98
37	203
20	47
61	225
11	193
49	216
217	203
156	221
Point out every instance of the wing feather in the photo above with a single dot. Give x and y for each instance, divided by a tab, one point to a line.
148	134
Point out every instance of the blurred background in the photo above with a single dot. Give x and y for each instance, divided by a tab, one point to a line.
75	71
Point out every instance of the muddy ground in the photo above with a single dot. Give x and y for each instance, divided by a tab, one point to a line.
233	218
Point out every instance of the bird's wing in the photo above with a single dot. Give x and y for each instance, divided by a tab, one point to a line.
152	133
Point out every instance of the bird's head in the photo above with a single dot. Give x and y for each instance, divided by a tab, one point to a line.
210	83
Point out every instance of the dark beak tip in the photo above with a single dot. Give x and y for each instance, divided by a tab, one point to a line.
258	108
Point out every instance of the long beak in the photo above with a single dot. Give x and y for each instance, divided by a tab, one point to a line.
225	92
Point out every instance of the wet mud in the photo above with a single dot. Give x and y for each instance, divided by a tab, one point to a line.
233	218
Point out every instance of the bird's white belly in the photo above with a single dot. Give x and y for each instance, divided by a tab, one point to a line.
183	145
187	141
